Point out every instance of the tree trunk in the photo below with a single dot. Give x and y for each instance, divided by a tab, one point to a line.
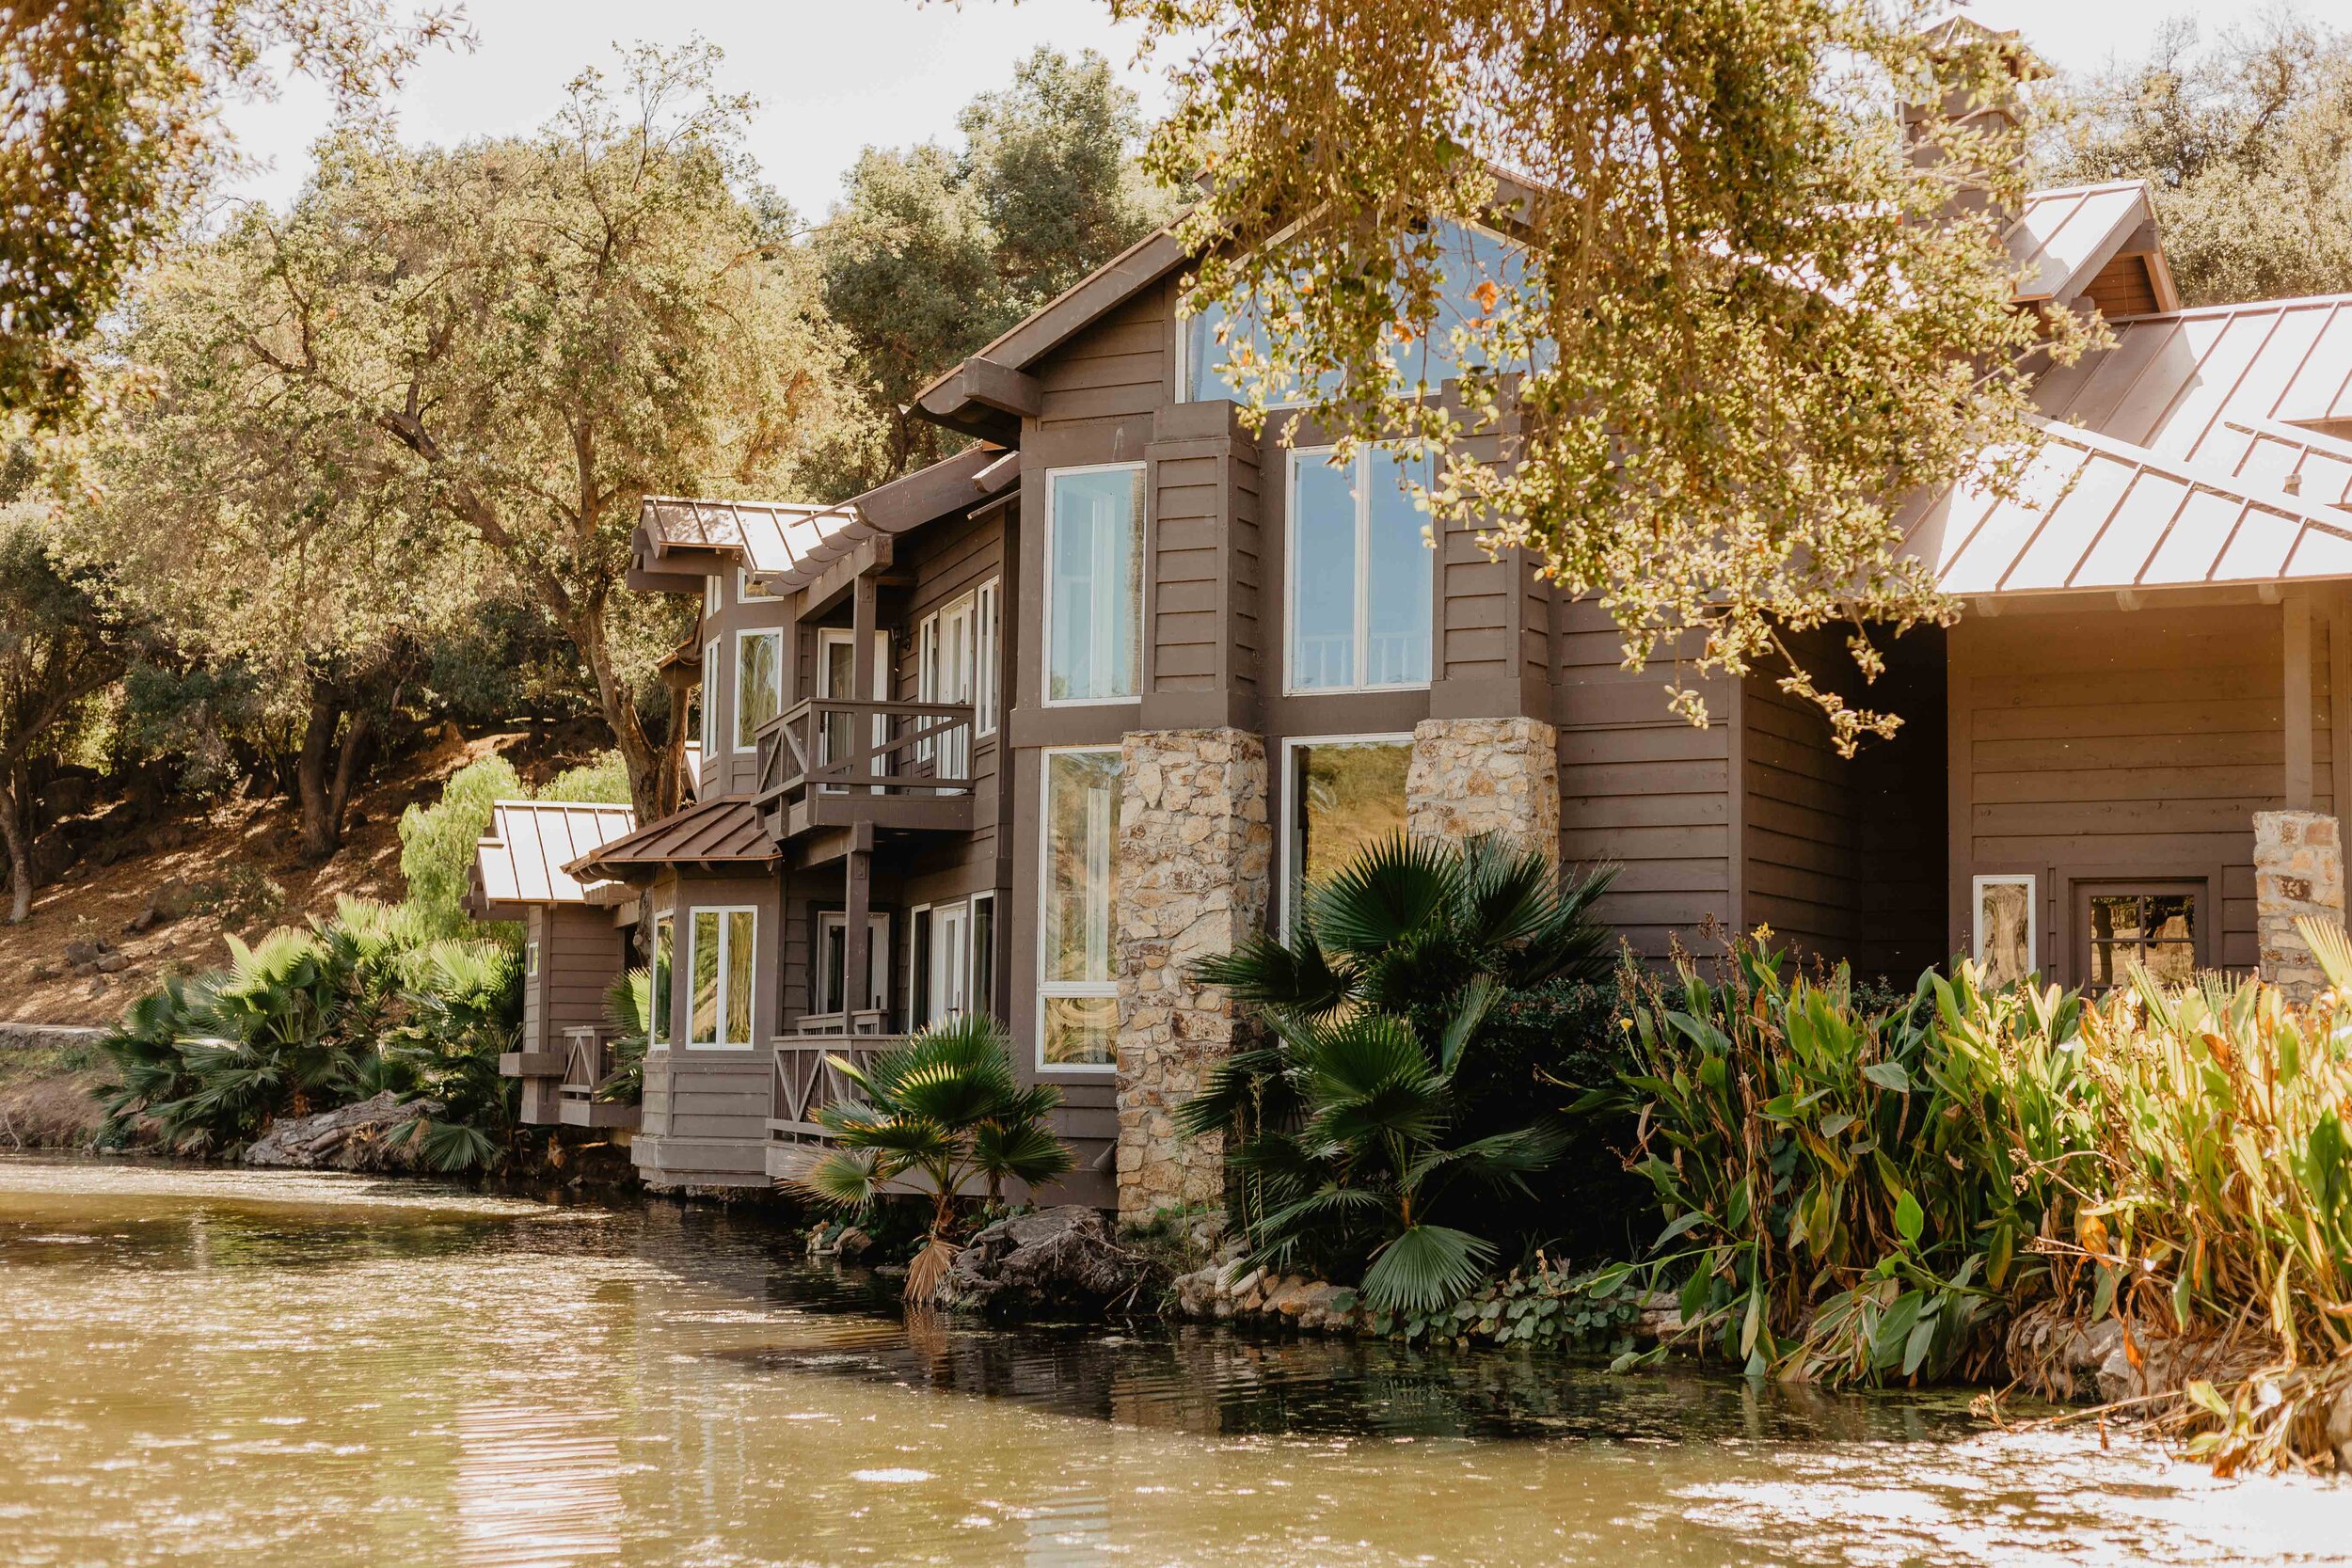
320	813
653	787
15	832
358	732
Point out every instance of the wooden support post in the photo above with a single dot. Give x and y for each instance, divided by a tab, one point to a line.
2297	645
862	671
857	908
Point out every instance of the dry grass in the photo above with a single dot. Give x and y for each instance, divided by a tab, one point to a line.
46	1099
93	902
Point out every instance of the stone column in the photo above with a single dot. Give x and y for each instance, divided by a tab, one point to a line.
1485	775
2299	870
1194	852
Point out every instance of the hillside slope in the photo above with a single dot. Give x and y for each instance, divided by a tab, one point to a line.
219	865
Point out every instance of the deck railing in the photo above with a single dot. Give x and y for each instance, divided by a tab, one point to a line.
806	1079
919	750
587	1062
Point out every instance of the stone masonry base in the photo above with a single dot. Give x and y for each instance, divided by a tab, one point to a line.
1195	852
1473	776
2299	870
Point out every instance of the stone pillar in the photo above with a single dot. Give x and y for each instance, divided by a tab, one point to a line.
1485	775
1195	849
2299	870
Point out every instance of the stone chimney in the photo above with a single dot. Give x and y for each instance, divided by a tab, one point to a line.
1928	120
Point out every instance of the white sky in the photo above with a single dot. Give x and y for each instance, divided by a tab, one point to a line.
835	76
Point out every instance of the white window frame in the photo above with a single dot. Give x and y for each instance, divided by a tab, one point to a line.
713	683
531	960
1362	651
2033	914
1071	988
877	959
927	676
714	595
1045	619
1284	848
983	1004
988	607
658	1019
736	742
747	591
751	1003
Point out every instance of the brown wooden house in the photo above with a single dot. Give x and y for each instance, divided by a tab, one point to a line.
1031	729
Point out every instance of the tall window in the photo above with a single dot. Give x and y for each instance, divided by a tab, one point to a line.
758	683
2005	934
942	674
1094	583
664	951
984	951
720	962
709	728
1360	575
1343	794
985	660
714	595
1078	988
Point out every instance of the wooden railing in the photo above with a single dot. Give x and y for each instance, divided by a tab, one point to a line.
806	1079
864	1021
833	760
587	1062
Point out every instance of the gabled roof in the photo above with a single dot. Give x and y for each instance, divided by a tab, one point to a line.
724	830
2069	234
526	857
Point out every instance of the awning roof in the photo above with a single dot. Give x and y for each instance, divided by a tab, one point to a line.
526	856
724	830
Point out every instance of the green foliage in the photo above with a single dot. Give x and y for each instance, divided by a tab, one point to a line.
1853	1195
1379	1126
2248	143
628	1007
947	1112
436	841
244	899
309	1019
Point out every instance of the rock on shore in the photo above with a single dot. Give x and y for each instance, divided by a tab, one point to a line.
1054	1260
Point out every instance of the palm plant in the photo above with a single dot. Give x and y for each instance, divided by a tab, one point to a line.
464	1001
1369	1115
942	1114
628	1007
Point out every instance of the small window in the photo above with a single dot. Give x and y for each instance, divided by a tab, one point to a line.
2004	946
530	959
1094	583
714	597
665	947
759	683
984	662
725	942
1078	980
2153	924
1344	794
1362	574
709	725
749	589
984	951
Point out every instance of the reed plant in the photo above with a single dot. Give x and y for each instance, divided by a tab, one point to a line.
1857	1196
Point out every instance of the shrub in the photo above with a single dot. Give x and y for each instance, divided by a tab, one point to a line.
436	841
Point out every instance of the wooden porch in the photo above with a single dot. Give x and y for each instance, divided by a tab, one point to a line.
805	1079
588	1066
891	766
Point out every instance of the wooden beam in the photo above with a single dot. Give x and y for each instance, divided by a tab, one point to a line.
2297	688
2340	703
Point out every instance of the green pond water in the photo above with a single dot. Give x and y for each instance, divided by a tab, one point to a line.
219	1367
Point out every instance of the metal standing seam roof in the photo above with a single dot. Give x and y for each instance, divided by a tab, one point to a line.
2065	232
771	537
527	855
727	828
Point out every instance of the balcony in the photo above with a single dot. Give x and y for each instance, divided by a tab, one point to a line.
836	763
806	1080
587	1068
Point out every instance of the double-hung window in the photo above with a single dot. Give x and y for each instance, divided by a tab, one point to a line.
664	960
720	960
987	606
758	683
1361	575
1077	984
1094	583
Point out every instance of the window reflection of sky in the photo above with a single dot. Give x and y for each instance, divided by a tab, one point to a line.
1468	258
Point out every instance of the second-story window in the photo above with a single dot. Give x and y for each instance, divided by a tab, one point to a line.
984	662
1094	582
1360	575
709	728
758	683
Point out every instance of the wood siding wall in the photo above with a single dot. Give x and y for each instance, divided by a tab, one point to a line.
2128	745
703	1120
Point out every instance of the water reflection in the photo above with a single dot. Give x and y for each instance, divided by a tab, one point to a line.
213	1367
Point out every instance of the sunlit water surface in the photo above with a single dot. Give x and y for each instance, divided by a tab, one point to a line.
220	1366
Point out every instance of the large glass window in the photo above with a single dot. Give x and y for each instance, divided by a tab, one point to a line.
1094	583
1466	257
719	962
664	949
1078	988
758	683
1343	796
1362	574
